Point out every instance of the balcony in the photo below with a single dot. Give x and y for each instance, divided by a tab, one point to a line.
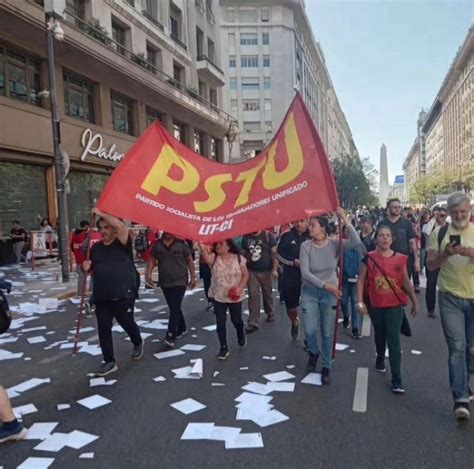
178	41
209	71
149	17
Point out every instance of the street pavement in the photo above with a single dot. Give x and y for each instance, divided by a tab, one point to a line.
140	428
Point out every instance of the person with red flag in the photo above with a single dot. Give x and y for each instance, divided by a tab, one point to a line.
228	280
319	258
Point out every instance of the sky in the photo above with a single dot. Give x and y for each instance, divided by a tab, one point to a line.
387	60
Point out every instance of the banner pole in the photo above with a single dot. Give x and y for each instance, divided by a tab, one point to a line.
80	313
339	302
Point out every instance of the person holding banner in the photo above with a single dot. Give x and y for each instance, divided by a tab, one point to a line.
288	254
174	259
229	277
319	259
116	283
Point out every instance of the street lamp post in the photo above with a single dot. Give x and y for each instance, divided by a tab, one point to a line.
53	30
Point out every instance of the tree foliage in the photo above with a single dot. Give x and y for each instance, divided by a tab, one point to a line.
354	178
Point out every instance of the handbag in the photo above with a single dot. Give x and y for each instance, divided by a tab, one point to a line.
405	328
5	315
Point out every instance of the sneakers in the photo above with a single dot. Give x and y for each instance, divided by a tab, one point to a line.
138	351
107	368
251	328
16	432
270	317
210	306
223	354
326	376
169	340
397	387
242	341
356	334
295	327
181	334
345	323
380	365
461	411
312	362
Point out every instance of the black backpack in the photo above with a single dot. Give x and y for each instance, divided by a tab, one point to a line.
5	315
141	241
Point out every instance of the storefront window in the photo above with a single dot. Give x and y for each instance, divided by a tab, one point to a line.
153	115
85	189
19	76
23	196
122	114
79	98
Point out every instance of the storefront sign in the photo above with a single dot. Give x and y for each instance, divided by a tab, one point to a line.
93	144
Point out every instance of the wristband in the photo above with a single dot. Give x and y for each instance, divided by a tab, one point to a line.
360	305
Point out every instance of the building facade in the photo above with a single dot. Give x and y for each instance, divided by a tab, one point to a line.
412	167
434	143
122	65
397	190
269	51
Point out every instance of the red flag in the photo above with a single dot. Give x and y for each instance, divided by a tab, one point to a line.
163	184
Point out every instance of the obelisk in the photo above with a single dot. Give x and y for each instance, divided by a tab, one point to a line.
384	188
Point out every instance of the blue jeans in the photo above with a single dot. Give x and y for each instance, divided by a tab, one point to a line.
319	318
457	318
349	296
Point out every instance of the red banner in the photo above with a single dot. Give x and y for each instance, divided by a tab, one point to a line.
163	184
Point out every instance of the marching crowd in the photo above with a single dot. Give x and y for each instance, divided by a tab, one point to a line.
383	254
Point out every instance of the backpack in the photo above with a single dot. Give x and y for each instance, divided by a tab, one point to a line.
5	315
441	234
141	241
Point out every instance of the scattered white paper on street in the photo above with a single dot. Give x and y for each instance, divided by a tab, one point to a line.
31	329
158	324
212	327
193	347
101	382
170	353
63	406
148	300
217	384
25	410
416	352
188	406
7	355
243	368
78	439
29	384
257	388
85	329
269	358
159	379
290	367
36	340
93	402
279	376
54	443
86	456
281	387
198	431
341	346
245	440
8	340
254	399
36	463
312	378
216	373
40	431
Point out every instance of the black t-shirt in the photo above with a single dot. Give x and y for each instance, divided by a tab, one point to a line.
115	275
18	232
403	231
289	250
258	251
172	263
368	241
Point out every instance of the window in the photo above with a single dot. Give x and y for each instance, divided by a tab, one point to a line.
248	61
268	126
78	98
233	105
265	39
233	83
266	61
179	131
118	35
151	8
268	105
231	39
76	12
267	83
199	42
175	22
153	115
213	97
248	15
250	83
248	39
198	140
211	51
122	114
232	61
265	15
252	126
19	77
177	72
251	104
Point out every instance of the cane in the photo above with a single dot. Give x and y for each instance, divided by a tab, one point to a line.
84	288
339	302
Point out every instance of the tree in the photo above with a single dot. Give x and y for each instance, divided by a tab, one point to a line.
353	180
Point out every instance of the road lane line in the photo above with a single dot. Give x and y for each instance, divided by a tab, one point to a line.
360	393
366	326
